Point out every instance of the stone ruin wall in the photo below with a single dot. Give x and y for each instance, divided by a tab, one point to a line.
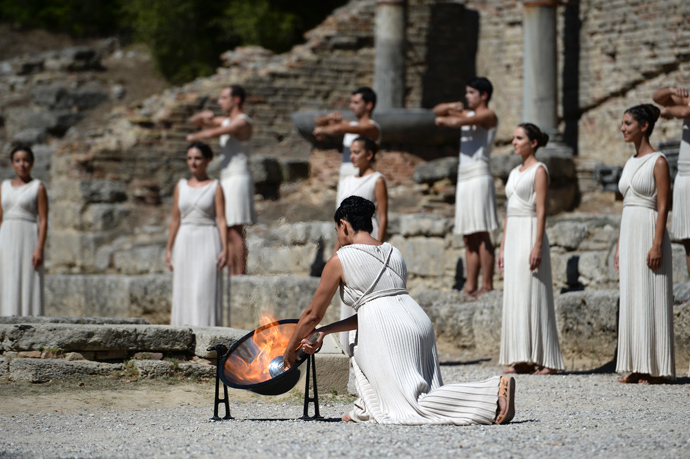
111	188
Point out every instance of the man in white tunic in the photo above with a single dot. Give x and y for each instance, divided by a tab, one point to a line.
235	132
362	103
475	202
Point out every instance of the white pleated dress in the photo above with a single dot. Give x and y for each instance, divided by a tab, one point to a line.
680	218
21	286
528	331
475	195
364	187
236	179
395	360
197	284
645	326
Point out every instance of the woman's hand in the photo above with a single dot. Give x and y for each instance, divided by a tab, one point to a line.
615	261
222	260
168	259
535	258
289	359
37	258
312	348
680	92
654	258
500	261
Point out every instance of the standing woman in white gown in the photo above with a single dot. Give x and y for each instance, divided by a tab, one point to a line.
529	337
23	231
643	257
197	244
371	185
395	360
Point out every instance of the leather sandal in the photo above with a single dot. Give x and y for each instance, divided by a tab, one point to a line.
506	390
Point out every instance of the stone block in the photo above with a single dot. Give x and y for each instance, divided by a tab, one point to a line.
206	337
40	371
102	190
197	370
69	249
436	170
681	326
4	368
154	368
283	259
56	97
681	292
302	233
587	324
284	296
568	235
150	296
593	269
100	217
72	356
29	355
141	260
96	337
72	320
680	266
30	136
148	356
424	225
424	256
55	122
487	322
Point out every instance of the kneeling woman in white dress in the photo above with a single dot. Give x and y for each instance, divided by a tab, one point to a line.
395	360
643	257
529	338
197	247
23	231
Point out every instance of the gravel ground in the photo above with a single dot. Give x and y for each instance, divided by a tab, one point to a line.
574	415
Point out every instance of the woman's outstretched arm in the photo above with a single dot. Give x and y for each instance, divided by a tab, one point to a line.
330	280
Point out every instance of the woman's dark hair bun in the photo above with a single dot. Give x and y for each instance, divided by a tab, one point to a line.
357	211
204	148
534	133
645	113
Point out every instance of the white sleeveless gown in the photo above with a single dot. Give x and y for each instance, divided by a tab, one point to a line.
645	326
197	284
21	286
528	331
395	360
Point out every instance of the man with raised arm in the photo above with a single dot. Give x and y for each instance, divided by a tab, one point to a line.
234	131
475	200
676	103
362	103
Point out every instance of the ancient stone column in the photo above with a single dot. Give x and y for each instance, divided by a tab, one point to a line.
389	62
540	95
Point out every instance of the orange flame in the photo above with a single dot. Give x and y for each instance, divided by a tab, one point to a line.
250	364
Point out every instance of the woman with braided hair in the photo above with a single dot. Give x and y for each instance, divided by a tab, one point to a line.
643	257
395	360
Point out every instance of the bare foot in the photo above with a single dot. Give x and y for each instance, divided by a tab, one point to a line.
347	418
479	293
647	379
545	371
632	378
519	368
470	294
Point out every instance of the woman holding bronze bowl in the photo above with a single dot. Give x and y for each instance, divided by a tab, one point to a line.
395	360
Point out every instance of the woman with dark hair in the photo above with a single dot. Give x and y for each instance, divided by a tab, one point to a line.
197	244
529	338
23	232
643	257
475	200
368	184
395	360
